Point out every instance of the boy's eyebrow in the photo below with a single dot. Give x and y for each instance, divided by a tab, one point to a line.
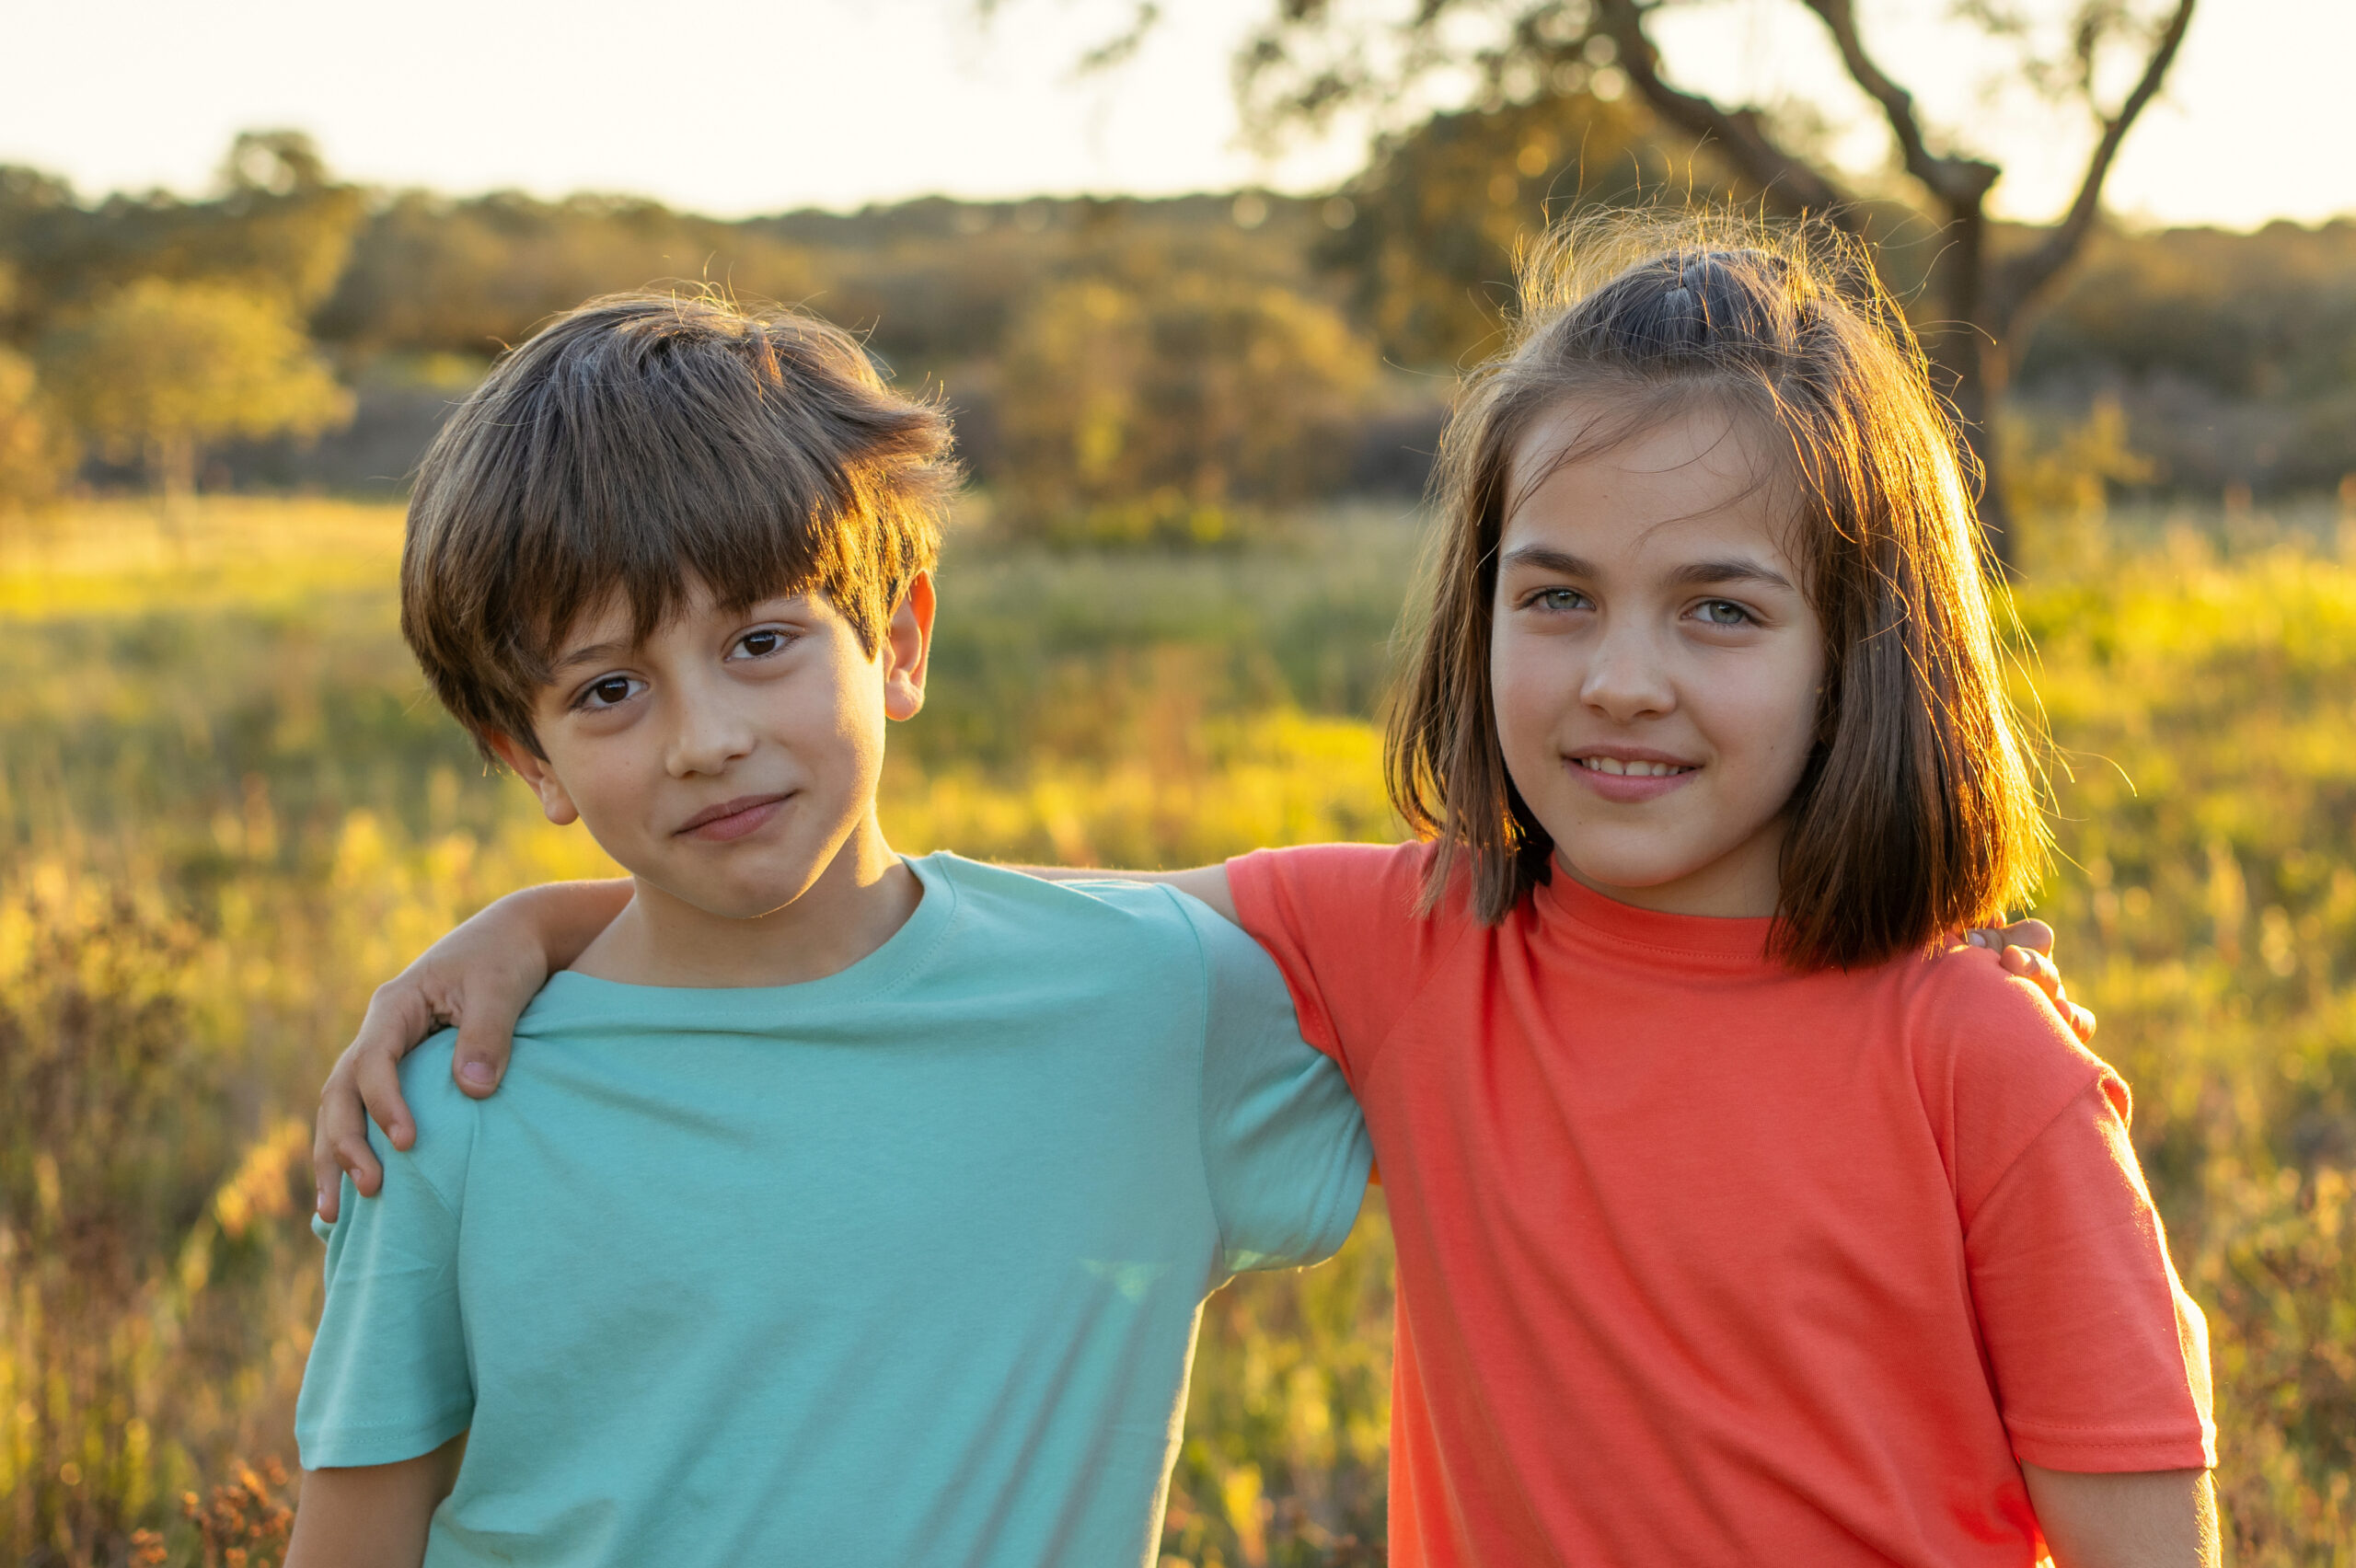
592	654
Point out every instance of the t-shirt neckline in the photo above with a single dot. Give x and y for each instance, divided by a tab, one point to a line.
899	955
1563	898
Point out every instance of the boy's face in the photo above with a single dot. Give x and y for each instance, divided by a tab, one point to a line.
728	758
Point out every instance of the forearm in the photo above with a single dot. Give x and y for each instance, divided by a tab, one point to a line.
2138	1519
372	1516
566	916
1206	882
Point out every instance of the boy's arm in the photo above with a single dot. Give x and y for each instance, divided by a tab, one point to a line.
2134	1519
372	1516
1206	882
479	977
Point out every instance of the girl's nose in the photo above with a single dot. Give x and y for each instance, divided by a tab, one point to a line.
1626	678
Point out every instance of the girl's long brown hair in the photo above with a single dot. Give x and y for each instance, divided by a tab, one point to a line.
1918	814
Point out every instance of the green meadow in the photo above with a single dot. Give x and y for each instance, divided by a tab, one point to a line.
229	809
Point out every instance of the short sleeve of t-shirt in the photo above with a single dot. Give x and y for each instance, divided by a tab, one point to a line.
2101	1360
388	1378
1285	1149
1340	921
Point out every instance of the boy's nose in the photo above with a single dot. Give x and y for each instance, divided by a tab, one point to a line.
707	738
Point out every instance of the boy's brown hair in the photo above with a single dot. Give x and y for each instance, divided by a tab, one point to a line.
1917	816
645	440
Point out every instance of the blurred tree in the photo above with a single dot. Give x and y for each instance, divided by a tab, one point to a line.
1153	414
160	370
279	226
430	274
1315	57
36	453
1426	233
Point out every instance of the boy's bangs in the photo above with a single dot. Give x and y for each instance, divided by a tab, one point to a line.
645	448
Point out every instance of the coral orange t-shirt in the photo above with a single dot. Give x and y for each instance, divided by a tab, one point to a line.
1702	1261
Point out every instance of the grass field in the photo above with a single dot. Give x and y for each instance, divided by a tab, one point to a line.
228	810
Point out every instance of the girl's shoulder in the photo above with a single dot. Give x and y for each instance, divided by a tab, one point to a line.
1993	1060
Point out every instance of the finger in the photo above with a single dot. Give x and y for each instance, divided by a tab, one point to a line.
486	1037
2035	934
2082	1024
343	1132
378	1081
327	1176
2031	964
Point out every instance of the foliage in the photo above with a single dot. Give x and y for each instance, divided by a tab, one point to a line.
225	723
1152	415
36	453
162	370
278	226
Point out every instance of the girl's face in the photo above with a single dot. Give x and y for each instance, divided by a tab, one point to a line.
1655	664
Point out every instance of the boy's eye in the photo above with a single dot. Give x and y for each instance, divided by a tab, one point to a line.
762	643
1724	612
609	692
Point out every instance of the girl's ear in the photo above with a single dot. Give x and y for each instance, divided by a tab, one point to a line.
907	648
533	769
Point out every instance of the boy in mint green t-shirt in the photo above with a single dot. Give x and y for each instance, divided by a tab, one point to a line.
837	1208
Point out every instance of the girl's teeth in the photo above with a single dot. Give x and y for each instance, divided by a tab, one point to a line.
1638	769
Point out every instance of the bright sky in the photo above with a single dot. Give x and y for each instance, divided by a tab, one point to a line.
736	107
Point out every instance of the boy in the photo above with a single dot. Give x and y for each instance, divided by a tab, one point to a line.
838	1208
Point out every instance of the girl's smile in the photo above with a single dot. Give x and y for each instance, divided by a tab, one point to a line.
1655	662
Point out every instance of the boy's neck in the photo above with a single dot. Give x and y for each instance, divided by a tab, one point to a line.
862	897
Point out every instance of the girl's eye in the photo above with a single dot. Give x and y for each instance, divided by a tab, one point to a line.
611	692
1558	599
1724	612
760	644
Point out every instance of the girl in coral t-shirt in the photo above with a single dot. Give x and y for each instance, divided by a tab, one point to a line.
1742	1217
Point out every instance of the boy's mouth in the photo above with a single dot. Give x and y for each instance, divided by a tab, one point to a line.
732	819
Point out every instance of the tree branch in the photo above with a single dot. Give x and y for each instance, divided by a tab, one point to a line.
2018	280
1961	183
1738	132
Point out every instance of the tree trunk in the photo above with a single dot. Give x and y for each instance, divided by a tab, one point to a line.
171	475
1971	363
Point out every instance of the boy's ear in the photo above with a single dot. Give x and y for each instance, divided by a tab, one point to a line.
533	769
907	648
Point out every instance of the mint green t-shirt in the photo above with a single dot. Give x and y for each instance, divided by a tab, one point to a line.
899	1266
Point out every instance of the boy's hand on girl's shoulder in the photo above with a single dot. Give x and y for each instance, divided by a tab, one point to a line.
2025	948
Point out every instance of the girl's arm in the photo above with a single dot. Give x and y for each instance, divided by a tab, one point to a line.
2138	1519
372	1516
482	976
479	977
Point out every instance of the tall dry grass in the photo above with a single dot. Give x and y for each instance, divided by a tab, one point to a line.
228	810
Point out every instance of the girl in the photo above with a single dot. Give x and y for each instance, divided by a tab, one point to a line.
1741	1219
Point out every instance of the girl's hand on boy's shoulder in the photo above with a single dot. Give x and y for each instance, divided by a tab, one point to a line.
479	977
2025	948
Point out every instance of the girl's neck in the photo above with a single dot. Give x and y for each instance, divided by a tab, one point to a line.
1745	883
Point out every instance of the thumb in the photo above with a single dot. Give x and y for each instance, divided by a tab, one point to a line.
480	1058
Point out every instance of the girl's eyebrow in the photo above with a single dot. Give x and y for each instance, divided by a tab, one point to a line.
1692	574
1702	574
1545	558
